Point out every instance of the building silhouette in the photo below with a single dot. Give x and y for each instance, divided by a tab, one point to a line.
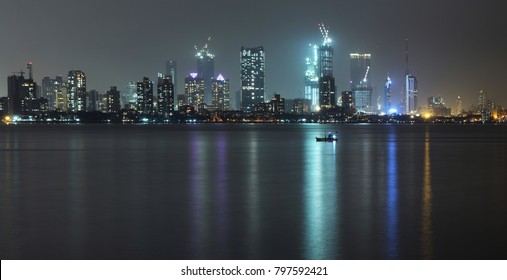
165	96
145	96
171	71
206	70
113	103
410	87
252	77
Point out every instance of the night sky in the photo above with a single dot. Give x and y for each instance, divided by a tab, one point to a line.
456	47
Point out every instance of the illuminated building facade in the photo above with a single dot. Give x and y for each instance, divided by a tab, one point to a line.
252	77
347	102
410	94
327	87
388	107
360	81
194	91
145	96
51	88
312	76
278	104
129	98
220	94
165	96
76	91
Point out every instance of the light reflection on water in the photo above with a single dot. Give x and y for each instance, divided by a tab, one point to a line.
321	201
252	192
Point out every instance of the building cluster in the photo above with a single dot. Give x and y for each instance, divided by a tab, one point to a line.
207	96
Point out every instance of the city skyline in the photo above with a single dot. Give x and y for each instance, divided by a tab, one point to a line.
451	55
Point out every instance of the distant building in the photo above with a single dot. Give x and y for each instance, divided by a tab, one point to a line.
145	96
252	77
4	105
51	89
436	107
92	100
312	76
388	107
278	104
194	91
165	96
220	94
347	102
301	106
21	95
76	91
360	82
171	71
410	88
129	97
327	87
113	100
459	106
62	101
206	70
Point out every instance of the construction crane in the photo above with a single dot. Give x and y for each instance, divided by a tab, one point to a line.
325	33
366	74
204	48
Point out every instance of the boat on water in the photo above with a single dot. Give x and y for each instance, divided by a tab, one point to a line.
330	137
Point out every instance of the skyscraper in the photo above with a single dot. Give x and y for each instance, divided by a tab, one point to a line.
145	96
129	98
76	91
252	77
21	94
171	71
410	87
206	69
327	87
93	101
388	108
360	81
51	88
220	93
194	91
113	100
459	106
312	76
165	96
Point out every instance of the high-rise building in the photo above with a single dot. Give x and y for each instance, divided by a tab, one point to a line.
278	104
145	96
62	101
220	93
312	76
194	91
410	87
206	70
459	106
165	96
327	87
21	95
92	100
347	102
113	100
252	77
482	102
76	91
388	108
171	71
51	88
360	82
129	98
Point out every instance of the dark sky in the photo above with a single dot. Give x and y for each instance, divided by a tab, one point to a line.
456	47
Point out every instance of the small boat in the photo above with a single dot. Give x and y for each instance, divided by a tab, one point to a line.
329	138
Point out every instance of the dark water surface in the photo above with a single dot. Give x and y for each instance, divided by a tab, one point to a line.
253	192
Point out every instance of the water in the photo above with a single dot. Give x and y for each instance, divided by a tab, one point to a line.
253	192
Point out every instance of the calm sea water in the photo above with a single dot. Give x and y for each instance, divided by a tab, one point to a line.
253	192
